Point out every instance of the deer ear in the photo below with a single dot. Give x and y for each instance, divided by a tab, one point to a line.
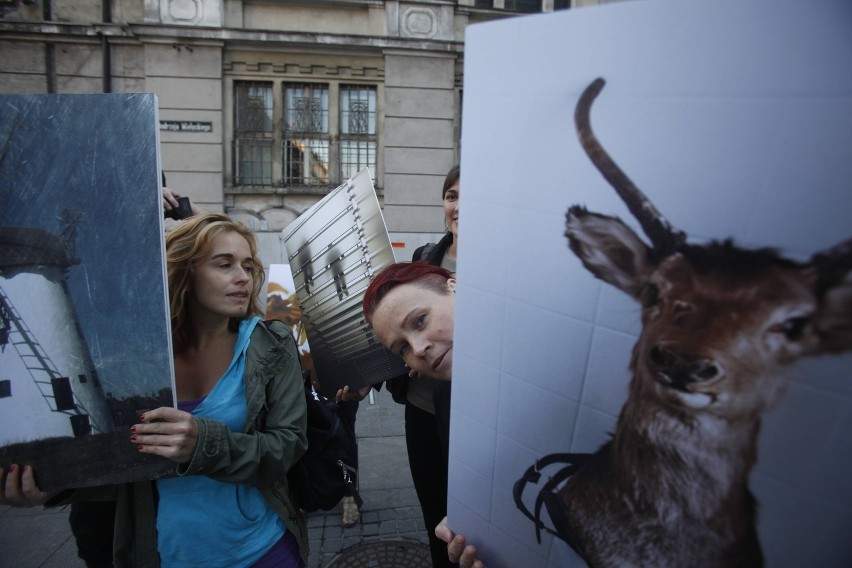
609	249
833	320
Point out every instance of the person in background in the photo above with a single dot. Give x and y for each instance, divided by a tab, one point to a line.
427	400
239	426
348	507
170	201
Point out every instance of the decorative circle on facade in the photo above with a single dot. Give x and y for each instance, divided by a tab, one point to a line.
419	22
186	11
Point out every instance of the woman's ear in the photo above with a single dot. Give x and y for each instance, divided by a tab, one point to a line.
451	285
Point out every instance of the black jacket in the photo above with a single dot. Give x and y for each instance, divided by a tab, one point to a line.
398	386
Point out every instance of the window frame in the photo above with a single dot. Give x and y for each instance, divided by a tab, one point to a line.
281	185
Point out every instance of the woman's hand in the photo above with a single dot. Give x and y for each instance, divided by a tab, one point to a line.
345	394
465	556
21	490
166	432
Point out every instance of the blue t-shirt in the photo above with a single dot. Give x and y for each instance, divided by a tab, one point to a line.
203	522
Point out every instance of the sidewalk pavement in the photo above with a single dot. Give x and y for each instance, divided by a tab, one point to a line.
41	538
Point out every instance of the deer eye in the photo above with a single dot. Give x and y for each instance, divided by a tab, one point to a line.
650	295
792	328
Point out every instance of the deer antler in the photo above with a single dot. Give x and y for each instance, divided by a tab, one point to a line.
664	238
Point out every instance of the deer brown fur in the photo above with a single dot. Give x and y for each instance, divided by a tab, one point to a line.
719	324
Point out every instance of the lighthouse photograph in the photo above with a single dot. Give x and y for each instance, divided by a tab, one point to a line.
84	322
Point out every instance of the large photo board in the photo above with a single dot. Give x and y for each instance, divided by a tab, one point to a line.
734	120
334	250
84	324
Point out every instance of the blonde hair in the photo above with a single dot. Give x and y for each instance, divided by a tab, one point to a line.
186	245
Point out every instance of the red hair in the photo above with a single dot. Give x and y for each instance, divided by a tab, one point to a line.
419	272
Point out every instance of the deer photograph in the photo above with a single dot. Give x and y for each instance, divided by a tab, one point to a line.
720	323
653	321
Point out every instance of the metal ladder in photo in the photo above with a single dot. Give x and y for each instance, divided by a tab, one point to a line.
36	360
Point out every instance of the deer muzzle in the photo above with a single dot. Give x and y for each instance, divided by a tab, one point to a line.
681	371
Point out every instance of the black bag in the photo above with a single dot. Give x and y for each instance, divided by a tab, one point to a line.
324	474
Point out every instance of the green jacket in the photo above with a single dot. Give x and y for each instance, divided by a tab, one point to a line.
274	439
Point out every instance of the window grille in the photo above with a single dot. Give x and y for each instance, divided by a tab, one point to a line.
525	6
306	134
325	133
253	133
358	140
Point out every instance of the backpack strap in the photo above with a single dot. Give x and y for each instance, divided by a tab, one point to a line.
548	494
425	251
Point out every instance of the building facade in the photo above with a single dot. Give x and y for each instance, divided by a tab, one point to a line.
266	105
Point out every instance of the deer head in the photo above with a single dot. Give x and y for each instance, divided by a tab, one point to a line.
718	321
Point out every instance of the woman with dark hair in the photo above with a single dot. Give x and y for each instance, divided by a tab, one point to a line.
239	426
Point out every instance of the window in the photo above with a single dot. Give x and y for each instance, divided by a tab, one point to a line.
253	133
357	130
304	137
526	6
306	140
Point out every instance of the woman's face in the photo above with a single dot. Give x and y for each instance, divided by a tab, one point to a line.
222	281
451	210
416	323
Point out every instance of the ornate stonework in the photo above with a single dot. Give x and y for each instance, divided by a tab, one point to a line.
338	71
187	12
419	22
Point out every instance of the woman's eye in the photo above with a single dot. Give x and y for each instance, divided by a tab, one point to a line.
403	350
249	268
420	321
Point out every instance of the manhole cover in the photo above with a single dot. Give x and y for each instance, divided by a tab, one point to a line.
384	554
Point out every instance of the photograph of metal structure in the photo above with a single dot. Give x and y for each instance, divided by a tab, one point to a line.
84	324
334	250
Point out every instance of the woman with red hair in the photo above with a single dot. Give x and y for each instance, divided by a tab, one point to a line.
426	400
410	306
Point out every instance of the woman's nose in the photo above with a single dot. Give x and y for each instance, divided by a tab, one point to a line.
419	347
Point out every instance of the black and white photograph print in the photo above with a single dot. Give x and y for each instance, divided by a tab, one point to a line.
84	325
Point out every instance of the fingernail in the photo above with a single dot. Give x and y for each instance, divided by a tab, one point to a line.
142	417
13	467
139	447
133	428
132	438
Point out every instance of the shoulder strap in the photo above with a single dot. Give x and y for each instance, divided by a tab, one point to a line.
426	251
547	495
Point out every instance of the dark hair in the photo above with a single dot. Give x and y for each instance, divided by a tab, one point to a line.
452	177
419	272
